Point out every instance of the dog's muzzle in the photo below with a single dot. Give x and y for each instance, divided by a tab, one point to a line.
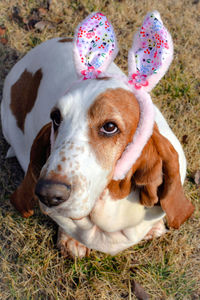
52	193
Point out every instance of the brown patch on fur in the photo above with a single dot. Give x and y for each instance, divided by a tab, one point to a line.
24	94
24	199
121	188
121	107
59	167
66	40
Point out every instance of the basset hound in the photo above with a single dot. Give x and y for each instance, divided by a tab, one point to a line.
97	153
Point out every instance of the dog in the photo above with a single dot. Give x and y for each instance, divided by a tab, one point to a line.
97	153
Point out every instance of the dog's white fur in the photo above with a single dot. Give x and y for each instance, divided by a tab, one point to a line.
105	224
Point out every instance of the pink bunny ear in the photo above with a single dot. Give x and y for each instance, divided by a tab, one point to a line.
151	53
95	46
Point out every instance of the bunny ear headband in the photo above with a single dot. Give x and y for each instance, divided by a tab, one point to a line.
95	47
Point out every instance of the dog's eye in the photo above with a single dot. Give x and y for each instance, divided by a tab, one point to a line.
56	118
109	129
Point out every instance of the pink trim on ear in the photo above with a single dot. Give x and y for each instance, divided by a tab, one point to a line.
95	46
142	135
151	53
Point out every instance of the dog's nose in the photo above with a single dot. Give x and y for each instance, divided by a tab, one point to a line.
52	193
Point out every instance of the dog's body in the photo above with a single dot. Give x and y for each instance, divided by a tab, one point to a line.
100	213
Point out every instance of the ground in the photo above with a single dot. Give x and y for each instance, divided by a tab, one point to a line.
167	267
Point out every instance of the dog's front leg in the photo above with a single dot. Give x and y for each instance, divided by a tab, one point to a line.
156	231
69	246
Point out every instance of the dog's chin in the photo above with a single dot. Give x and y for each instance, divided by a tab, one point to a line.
50	211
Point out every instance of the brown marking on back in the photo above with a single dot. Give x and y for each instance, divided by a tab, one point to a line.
24	94
66	40
121	107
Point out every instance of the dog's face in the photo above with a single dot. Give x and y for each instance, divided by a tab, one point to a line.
91	127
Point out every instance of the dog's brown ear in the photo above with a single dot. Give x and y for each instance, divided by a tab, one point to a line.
24	198
172	199
146	174
157	173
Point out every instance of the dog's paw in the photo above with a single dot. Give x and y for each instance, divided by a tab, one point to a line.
157	230
71	247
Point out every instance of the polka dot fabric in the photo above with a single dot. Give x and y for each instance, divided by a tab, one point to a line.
95	44
153	48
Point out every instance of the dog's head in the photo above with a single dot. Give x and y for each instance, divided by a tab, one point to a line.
91	128
103	132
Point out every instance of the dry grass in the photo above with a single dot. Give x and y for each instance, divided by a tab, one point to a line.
168	267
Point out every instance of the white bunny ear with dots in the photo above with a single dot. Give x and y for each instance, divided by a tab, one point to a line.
151	53
95	46
149	59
